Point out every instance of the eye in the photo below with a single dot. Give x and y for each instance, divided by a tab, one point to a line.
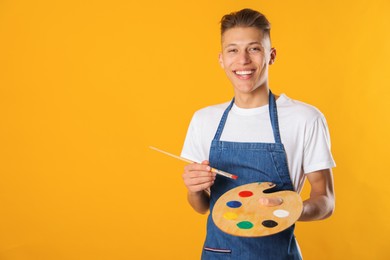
232	50
254	49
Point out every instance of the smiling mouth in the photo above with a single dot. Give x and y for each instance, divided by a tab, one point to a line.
243	74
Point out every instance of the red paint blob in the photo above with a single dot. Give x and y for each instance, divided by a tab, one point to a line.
245	193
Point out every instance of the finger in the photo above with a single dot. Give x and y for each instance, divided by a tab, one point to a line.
197	170
198	174
197	167
198	181
270	202
200	187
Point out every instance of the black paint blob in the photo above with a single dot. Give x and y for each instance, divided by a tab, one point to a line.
269	223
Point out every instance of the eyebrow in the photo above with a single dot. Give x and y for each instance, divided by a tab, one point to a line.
234	44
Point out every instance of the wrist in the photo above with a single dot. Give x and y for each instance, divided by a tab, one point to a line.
195	193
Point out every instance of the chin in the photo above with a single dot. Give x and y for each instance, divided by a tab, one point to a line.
245	89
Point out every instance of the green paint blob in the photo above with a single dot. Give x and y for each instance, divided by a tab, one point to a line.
245	225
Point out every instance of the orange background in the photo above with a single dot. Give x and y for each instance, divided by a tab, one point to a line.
87	86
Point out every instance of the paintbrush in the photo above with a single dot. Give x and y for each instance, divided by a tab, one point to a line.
226	174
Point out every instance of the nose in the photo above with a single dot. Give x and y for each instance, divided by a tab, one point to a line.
244	58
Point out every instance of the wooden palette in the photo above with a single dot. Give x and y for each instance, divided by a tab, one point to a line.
238	212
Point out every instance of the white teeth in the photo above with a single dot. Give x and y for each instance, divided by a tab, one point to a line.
243	72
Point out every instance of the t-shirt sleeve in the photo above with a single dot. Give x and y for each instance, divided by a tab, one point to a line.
192	148
317	152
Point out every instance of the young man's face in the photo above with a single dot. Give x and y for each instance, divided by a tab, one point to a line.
245	57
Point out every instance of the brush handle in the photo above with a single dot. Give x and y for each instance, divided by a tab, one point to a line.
226	174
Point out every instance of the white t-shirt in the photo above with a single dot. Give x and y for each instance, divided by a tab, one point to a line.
303	129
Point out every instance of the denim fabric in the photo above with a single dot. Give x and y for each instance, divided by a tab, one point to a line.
251	162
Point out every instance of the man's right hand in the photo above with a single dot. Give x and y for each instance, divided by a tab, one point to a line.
198	177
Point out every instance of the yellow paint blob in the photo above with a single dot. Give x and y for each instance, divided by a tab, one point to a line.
230	215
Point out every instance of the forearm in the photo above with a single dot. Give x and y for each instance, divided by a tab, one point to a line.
321	203
317	208
199	201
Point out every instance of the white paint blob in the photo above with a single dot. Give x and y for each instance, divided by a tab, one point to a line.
280	213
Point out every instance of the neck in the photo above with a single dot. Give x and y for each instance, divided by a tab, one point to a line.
257	98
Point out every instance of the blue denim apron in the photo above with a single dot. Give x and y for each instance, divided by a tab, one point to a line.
252	162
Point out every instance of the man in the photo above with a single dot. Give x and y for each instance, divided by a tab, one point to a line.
259	137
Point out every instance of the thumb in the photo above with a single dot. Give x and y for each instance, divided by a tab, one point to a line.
270	202
205	162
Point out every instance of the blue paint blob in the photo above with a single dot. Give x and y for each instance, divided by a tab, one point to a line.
233	204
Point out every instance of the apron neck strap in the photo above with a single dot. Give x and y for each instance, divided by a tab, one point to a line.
273	113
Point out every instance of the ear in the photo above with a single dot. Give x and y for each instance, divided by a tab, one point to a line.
220	60
272	56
